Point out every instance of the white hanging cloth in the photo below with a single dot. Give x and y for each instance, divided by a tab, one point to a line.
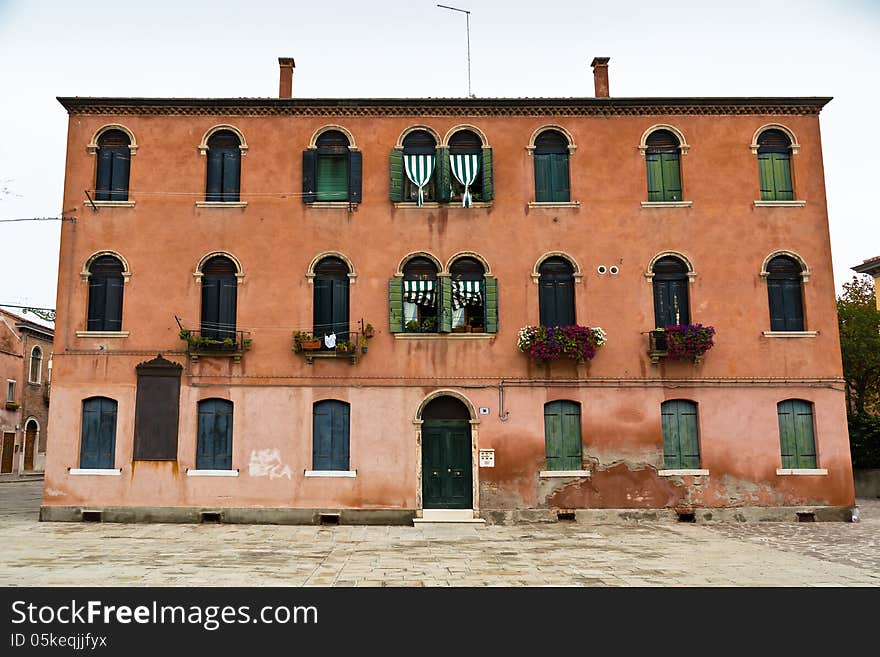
419	169
465	169
330	341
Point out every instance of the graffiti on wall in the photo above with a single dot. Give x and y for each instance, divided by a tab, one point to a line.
267	463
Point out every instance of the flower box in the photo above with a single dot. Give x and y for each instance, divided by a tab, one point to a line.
546	343
688	341
310	345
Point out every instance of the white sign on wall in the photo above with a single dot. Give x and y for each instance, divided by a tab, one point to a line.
487	458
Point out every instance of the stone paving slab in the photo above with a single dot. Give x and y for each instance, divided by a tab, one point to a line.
565	554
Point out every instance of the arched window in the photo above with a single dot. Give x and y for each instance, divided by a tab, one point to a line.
114	160
219	296
681	438
785	296
419	164
330	433
562	435
796	437
468	295
664	170
556	292
105	294
332	167
31	432
98	443
670	292
420	295
551	168
36	368
331	299
224	167
774	166
214	441
465	159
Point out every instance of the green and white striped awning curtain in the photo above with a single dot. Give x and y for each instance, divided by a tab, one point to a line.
419	292
465	168
466	293
419	169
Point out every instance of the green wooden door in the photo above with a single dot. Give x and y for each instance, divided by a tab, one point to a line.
681	442
446	465
796	434
562	435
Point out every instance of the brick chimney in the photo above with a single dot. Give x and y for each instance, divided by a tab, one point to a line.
285	82
600	76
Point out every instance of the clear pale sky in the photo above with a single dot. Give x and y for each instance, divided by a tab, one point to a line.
411	49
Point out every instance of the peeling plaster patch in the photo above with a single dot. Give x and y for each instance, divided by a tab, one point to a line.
54	492
615	486
267	463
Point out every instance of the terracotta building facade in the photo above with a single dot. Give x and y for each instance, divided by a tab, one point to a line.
398	310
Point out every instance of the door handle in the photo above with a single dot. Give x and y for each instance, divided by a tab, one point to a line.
448	470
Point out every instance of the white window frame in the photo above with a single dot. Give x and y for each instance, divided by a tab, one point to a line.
10	391
39	378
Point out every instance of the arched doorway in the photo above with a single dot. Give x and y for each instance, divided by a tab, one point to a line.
30	441
447	455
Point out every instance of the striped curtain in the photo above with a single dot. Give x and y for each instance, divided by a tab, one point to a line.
465	168
419	292
466	293
419	169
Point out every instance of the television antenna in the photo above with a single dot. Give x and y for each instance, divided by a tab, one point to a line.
467	16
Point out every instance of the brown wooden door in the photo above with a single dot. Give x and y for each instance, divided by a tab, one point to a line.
30	440
8	444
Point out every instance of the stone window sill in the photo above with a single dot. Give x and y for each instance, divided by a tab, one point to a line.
443	336
328	205
554	204
109	204
221	204
211	473
801	471
112	472
102	334
547	474
683	473
334	474
667	204
790	334
780	204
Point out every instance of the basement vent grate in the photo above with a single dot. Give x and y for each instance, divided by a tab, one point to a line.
210	517
565	516
806	517
687	516
92	516
329	519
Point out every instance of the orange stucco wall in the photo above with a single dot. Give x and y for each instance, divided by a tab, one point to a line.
723	234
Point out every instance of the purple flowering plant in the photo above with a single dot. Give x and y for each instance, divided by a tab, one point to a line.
554	342
688	341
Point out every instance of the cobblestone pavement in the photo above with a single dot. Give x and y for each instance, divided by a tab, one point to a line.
565	554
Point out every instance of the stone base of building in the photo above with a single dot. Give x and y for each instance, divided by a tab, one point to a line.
286	516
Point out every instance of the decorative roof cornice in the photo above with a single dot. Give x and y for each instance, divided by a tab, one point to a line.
869	266
407	107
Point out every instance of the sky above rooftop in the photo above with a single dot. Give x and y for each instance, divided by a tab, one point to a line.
413	49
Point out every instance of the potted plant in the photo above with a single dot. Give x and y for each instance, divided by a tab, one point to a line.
460	329
369	331
364	344
305	341
429	325
343	347
477	329
689	341
413	326
546	343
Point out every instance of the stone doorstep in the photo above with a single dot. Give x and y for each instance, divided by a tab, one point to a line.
448	517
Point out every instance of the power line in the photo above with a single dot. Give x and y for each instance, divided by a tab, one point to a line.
6	221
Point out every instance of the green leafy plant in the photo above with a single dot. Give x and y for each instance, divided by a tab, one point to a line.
429	324
369	331
413	325
546	343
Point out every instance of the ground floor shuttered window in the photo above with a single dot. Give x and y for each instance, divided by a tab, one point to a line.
330	435
796	438
98	442
214	448
562	435
681	442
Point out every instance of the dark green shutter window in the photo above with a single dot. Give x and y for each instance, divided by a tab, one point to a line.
445	303
396	175
551	168
443	176
219	299
224	167
334	154
309	175
681	444
670	284
796	434
330	433
97	448
562	435
784	292
556	293
114	155
105	294
395	305
491	304
331	314
663	166
488	175
214	440
774	166
355	176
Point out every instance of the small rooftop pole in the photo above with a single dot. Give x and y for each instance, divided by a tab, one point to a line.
467	16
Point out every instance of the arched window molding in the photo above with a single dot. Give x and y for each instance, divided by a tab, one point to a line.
441	271
572	147
39	378
577	274
795	146
313	142
805	270
691	274
469	254
310	272
86	273
447	393
459	128
92	147
239	271
242	143
36	423
683	146
417	128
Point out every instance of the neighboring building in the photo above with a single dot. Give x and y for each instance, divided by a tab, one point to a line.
222	226
25	368
871	266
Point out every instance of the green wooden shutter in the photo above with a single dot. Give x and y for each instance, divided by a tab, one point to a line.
355	176
488	175
396	175
688	436
655	176
671	443
804	441
562	436
490	304
542	177
782	176
309	175
332	183
444	300
119	174
559	186
395	305
442	176
765	175
787	433
553	436
671	166
105	169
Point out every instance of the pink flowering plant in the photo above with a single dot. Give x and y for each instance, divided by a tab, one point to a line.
554	342
688	341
